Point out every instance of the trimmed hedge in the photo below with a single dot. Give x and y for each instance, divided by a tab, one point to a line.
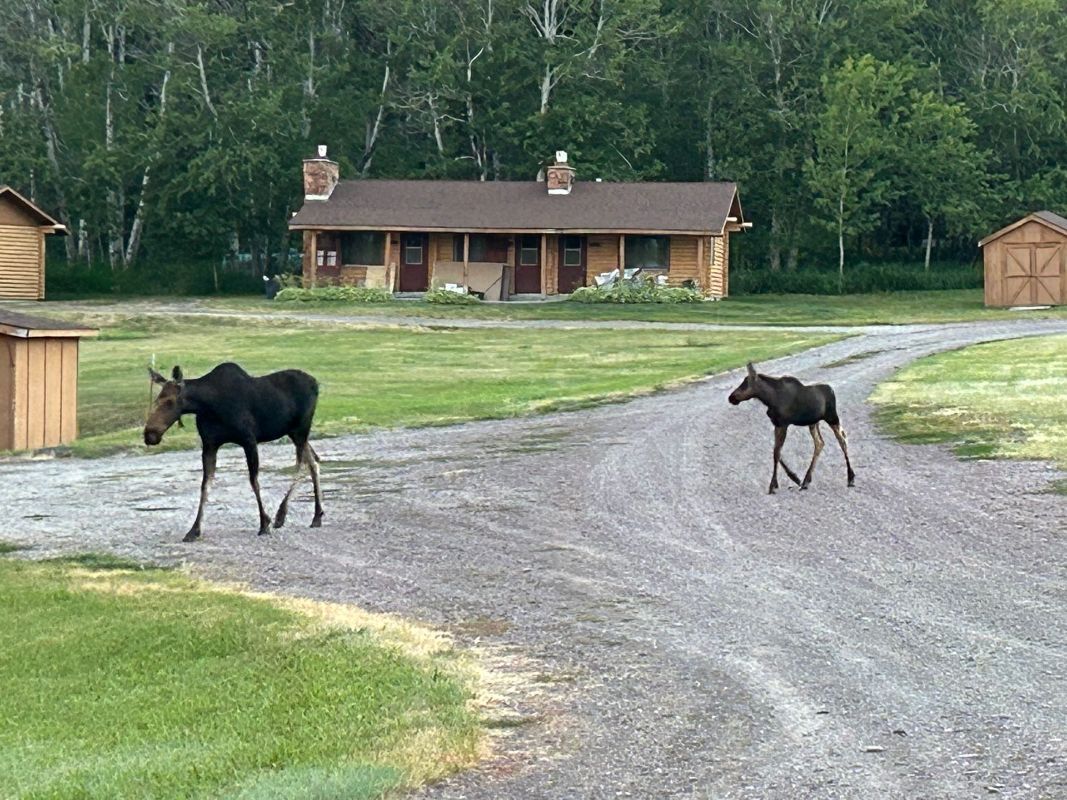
859	279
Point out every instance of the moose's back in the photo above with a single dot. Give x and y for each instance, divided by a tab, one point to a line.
272	405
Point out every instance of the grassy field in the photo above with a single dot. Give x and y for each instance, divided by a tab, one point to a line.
123	682
785	309
378	376
1003	399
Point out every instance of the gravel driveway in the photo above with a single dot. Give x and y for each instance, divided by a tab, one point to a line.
903	639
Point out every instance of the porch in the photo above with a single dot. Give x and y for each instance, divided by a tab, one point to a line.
501	265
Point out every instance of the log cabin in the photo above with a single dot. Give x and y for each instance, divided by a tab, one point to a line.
513	238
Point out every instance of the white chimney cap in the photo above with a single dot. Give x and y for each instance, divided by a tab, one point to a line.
322	151
561	156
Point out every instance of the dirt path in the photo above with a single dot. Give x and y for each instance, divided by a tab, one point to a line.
903	639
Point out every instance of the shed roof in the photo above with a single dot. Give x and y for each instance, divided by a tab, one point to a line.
27	326
518	206
1049	219
33	209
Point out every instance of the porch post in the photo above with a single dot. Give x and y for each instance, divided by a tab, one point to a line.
431	258
389	277
544	263
466	258
314	263
622	255
702	272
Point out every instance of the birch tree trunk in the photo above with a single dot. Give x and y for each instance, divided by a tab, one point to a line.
929	242
374	129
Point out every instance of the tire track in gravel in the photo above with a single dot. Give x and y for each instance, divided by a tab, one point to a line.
906	638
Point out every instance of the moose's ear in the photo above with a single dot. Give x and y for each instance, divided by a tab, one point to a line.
176	374
156	377
752	370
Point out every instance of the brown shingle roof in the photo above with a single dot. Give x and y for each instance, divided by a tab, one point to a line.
12	323
429	205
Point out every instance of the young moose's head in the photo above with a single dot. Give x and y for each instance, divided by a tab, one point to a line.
168	407
747	389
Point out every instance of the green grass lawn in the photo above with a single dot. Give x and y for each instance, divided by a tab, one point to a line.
1002	399
380	376
122	682
785	309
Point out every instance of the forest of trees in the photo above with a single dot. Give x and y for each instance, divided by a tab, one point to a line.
857	129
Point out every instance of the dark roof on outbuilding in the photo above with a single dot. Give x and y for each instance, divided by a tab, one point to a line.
42	217
12	323
1047	217
430	205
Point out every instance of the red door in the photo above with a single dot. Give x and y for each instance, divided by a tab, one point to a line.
414	274
528	265
571	272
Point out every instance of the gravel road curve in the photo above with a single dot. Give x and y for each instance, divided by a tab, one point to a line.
903	639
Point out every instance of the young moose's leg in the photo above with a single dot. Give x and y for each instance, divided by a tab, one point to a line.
252	457
779	440
313	464
207	457
283	509
816	437
839	432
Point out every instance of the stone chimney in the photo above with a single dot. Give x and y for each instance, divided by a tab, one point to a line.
320	176
560	176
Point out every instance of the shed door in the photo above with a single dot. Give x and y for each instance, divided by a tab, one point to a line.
20	262
1033	274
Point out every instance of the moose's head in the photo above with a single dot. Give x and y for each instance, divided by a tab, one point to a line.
748	388
168	408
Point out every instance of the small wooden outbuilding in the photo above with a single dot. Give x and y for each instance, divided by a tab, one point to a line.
38	381
23	227
1026	262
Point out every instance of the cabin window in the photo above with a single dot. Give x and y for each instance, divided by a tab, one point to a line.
572	251
530	251
363	248
648	252
326	258
457	247
413	249
489	248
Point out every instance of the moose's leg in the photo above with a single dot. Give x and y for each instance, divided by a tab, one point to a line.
207	457
283	509
313	464
816	437
252	457
779	440
839	432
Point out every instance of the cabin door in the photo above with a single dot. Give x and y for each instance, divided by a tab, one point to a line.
571	270
528	264
414	261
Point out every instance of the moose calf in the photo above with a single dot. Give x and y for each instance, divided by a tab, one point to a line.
790	402
232	407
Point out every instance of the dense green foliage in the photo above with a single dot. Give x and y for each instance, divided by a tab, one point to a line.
635	292
858	129
444	297
346	294
861	279
1002	399
143	683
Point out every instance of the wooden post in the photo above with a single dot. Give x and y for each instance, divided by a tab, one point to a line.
314	257
703	274
389	282
544	263
466	257
622	256
431	257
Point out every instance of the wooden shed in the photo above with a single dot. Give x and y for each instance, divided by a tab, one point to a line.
38	381
1026	262
23	227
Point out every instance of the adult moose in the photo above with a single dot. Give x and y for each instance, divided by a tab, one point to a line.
232	407
790	402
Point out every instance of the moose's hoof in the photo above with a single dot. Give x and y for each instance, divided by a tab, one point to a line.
772	490
805	485
279	518
192	535
317	522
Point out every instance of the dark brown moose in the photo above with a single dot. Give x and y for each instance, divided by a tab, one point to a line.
232	407
790	402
